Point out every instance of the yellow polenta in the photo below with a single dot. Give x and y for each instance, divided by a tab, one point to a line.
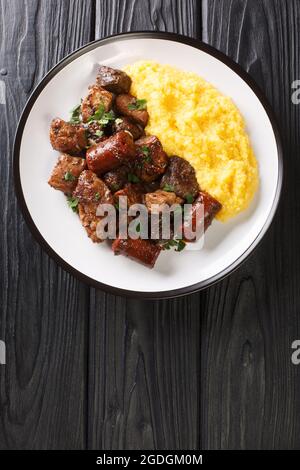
194	120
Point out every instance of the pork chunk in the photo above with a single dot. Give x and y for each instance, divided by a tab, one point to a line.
125	124
151	161
161	198
97	96
113	80
90	192
126	105
66	173
116	179
180	177
66	137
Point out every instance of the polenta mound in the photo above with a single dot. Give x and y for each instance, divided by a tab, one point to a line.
194	120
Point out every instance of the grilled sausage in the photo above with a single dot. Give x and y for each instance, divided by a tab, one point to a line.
66	172
112	153
180	177
113	80
97	96
151	160
123	106
139	250
210	207
66	137
125	124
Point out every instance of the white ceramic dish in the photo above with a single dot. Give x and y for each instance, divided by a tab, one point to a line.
58	228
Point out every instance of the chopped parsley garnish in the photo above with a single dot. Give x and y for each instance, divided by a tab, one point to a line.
69	177
138	227
73	203
137	105
102	117
179	245
97	196
169	188
76	115
99	133
117	206
133	178
189	198
118	121
146	154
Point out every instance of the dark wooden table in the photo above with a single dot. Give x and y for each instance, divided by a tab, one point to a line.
90	370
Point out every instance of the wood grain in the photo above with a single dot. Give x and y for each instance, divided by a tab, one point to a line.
250	389
43	309
144	356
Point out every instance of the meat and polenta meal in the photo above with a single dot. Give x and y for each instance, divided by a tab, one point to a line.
165	142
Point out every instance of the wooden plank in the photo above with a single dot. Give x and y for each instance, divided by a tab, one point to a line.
144	356
43	309
250	389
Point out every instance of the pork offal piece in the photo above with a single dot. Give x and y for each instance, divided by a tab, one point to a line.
211	208
116	179
160	199
151	161
125	124
90	192
66	173
180	178
140	250
97	96
113	80
115	151
66	137
127	106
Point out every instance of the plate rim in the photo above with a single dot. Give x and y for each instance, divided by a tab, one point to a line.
200	45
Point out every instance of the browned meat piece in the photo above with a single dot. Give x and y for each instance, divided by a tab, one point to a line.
97	96
161	198
66	137
211	208
95	133
133	192
180	178
113	80
90	192
124	103
151	161
116	179
124	124
66	173
112	153
140	250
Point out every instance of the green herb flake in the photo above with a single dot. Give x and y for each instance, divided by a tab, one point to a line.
69	177
118	121
73	203
76	115
132	178
138	105
97	196
138	227
180	245
99	133
169	188
189	198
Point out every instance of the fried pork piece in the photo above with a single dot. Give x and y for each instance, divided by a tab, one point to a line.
124	105
66	173
161	198
125	124
67	137
151	161
116	179
143	251
90	192
113	80
180	177
97	96
133	192
112	153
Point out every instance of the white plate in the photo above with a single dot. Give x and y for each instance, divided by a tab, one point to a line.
58	228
